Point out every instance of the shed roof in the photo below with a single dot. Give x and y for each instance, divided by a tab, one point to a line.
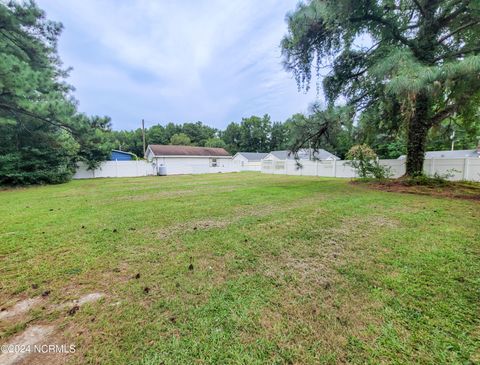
253	156
448	154
169	150
124	152
304	154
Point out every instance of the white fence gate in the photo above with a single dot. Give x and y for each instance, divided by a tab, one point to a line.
456	168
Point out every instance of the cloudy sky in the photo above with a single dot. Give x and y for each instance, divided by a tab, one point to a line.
165	60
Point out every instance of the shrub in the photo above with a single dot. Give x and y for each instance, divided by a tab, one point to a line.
365	161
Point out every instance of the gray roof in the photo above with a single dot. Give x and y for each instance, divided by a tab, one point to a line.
172	150
304	154
448	154
253	156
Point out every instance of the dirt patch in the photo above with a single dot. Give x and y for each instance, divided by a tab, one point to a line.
19	308
22	345
77	303
42	344
454	190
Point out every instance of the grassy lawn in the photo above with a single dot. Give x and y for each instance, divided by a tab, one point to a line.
244	269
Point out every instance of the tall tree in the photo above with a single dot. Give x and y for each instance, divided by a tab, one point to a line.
180	139
232	137
420	55
198	132
254	133
42	134
279	136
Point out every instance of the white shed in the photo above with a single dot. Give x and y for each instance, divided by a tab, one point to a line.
189	159
249	161
303	154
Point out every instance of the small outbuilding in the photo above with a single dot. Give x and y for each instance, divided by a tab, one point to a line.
249	161
118	155
302	154
189	159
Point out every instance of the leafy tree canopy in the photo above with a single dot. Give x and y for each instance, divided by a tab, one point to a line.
180	139
42	135
215	142
413	60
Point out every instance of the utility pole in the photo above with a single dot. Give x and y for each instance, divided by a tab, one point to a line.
143	136
453	139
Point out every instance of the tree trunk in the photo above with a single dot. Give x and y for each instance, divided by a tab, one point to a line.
418	127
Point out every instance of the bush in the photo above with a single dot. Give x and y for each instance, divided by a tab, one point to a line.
365	161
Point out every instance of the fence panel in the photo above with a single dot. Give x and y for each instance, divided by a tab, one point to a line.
115	169
453	168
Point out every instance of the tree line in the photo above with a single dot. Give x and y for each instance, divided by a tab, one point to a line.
261	134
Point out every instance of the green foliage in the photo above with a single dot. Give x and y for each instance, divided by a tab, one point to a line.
215	142
430	181
180	139
255	134
330	129
420	66
365	161
42	135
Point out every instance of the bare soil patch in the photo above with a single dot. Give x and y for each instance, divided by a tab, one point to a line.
19	308
454	190
18	348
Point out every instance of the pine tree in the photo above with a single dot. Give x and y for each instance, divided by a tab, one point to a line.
420	55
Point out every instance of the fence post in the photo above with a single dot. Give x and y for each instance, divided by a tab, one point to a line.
432	167
316	168
116	168
465	169
334	167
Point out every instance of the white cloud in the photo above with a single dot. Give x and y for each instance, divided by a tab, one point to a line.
210	60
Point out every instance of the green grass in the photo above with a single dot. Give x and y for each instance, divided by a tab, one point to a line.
285	270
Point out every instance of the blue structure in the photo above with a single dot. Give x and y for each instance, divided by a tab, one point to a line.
117	155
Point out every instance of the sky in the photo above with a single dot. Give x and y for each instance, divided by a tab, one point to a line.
214	61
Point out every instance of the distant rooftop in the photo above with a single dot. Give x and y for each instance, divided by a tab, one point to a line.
170	150
304	154
253	156
448	154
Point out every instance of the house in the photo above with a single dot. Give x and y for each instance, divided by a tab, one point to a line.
118	155
249	161
189	159
303	154
450	154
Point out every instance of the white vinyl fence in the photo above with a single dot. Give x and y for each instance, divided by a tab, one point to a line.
454	168
248	166
116	169
144	168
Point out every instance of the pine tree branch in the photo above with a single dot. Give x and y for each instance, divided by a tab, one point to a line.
459	29
420	7
16	110
458	53
395	31
444	19
443	114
